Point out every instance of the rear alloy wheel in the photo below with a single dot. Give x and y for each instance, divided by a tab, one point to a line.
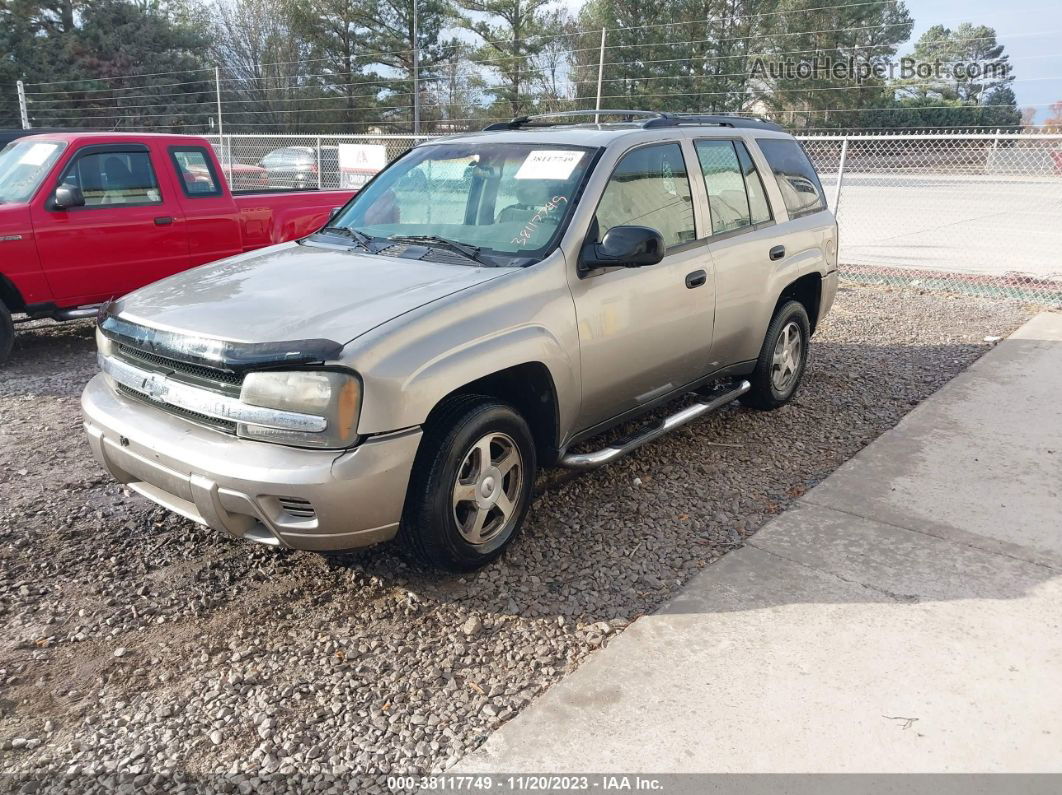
783	358
471	484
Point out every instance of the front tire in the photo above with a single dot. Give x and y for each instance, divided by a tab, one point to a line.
7	334
470	488
783	359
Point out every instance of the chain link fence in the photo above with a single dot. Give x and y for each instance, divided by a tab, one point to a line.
971	213
976	214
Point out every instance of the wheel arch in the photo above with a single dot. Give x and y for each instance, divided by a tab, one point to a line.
806	290
10	295
530	389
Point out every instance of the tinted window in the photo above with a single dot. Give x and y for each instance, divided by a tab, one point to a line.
796	177
196	172
727	200
114	178
650	187
759	207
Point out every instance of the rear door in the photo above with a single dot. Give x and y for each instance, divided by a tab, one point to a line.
644	332
209	210
129	233
743	241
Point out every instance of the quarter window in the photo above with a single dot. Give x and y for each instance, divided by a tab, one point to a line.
650	187
196	172
796	177
114	178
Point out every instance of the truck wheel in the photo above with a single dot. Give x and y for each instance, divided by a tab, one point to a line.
471	484
7	333
783	357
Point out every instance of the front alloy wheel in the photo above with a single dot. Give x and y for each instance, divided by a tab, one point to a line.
488	487
471	483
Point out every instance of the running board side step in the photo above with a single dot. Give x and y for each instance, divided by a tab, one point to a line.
621	447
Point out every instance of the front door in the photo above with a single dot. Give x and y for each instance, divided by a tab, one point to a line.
128	233
646	331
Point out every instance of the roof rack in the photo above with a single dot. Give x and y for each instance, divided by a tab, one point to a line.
651	119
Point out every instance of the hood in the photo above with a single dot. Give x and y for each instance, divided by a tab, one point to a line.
294	292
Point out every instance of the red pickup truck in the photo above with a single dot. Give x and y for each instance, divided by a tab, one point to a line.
85	217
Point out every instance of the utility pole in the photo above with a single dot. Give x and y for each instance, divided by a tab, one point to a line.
600	74
23	110
416	72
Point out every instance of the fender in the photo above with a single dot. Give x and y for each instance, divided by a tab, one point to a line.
402	403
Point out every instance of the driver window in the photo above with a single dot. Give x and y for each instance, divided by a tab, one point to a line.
650	187
114	178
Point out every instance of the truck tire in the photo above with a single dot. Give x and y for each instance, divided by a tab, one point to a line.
471	484
7	334
783	359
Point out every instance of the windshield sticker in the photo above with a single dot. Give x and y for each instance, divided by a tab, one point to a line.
37	154
525	234
549	164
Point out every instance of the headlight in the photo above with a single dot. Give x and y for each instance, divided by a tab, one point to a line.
335	396
104	345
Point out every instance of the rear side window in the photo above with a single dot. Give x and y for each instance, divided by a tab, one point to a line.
196	172
114	179
796	177
735	194
650	188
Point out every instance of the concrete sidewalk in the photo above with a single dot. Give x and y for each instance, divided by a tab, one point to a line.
904	616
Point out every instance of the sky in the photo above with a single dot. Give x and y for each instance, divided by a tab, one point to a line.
1030	30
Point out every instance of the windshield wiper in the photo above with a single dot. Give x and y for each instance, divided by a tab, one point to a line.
465	249
358	237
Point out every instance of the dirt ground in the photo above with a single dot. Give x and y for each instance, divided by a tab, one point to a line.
141	647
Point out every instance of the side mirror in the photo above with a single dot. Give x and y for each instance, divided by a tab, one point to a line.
67	196
624	246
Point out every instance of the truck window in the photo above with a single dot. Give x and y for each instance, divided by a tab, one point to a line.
196	171
796	177
650	187
735	194
114	178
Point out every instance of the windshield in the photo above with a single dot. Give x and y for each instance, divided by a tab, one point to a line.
23	164
509	201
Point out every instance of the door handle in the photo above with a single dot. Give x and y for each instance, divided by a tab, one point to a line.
696	279
777	253
163	220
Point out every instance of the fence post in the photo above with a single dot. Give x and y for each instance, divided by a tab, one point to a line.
600	74
217	92
318	162
23	111
840	176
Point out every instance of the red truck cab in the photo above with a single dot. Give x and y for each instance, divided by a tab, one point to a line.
86	217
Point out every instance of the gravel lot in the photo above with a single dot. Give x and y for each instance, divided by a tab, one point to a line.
139	644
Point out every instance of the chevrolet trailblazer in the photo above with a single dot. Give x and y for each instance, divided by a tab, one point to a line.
485	304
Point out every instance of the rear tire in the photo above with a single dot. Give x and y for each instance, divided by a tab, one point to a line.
783	359
470	488
7	334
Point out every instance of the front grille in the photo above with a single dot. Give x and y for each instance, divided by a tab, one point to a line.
196	371
192	416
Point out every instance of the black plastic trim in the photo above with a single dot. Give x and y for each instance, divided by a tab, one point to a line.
236	357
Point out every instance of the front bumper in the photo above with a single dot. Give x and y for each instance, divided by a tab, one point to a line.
304	499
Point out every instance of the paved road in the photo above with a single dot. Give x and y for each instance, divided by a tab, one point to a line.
904	616
962	224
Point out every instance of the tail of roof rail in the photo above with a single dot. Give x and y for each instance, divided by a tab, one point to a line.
650	119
